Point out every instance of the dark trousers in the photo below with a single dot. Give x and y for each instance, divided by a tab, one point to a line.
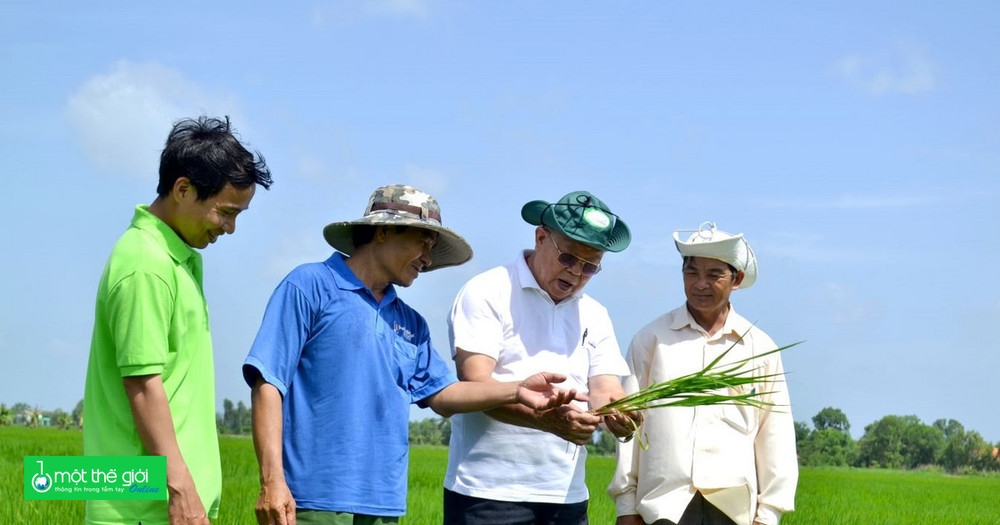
700	512
460	509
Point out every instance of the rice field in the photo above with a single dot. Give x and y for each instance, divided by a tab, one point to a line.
825	496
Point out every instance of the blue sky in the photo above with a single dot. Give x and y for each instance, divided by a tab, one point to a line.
855	144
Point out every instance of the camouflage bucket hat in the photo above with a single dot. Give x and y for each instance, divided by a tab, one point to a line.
583	218
400	205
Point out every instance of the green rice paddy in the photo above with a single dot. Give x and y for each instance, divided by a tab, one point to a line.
825	496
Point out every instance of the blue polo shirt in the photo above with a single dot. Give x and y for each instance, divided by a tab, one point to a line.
348	368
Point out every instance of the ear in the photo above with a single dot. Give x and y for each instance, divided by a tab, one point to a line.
540	236
381	234
183	190
738	279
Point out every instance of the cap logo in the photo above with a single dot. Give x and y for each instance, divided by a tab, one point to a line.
597	218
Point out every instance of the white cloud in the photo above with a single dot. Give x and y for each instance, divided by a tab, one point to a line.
122	118
312	168
429	180
958	192
849	201
846	308
813	248
902	69
334	13
397	8
303	247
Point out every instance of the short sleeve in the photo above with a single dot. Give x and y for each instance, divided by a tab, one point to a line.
283	333
431	373
605	354
139	308
475	325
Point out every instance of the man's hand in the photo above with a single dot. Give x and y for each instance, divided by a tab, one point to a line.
275	505
631	519
185	507
537	392
153	422
623	424
570	423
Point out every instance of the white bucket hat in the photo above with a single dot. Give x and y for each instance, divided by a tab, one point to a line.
709	242
401	205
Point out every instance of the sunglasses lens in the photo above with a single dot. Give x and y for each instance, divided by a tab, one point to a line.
569	260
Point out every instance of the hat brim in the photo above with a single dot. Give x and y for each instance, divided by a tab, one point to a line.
449	250
734	251
539	213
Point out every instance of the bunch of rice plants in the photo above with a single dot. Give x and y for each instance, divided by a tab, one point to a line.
701	388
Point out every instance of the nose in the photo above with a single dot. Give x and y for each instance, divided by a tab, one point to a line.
576	268
229	226
425	258
702	282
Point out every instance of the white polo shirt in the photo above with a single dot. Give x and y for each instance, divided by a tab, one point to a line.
503	313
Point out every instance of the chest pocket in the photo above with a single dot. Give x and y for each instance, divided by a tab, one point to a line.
741	417
404	356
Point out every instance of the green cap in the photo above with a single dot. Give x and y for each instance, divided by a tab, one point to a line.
583	218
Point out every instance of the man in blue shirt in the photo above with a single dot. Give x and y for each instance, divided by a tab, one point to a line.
339	358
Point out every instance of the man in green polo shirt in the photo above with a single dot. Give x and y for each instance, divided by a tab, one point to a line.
150	380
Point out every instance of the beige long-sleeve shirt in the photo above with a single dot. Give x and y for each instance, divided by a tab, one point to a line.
742	459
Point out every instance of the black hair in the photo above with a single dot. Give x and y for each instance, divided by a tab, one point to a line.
687	259
207	152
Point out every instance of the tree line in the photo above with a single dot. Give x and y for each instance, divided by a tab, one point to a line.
25	414
893	442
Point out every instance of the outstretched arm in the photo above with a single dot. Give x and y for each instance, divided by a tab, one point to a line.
567	421
535	393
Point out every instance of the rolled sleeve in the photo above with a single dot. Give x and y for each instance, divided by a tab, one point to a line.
776	461
767	515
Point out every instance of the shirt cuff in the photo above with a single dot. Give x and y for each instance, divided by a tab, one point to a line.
141	370
625	504
767	515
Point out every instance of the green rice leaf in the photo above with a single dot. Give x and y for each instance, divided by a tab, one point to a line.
701	388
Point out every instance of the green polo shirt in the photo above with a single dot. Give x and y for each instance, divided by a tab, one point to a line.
151	318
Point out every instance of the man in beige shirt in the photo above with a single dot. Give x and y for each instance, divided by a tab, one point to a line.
709	465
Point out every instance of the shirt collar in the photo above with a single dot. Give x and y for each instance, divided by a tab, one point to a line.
527	280
735	324
180	251
345	279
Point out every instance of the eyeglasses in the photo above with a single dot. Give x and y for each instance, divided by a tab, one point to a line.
569	260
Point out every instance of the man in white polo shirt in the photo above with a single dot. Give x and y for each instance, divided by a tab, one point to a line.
513	466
